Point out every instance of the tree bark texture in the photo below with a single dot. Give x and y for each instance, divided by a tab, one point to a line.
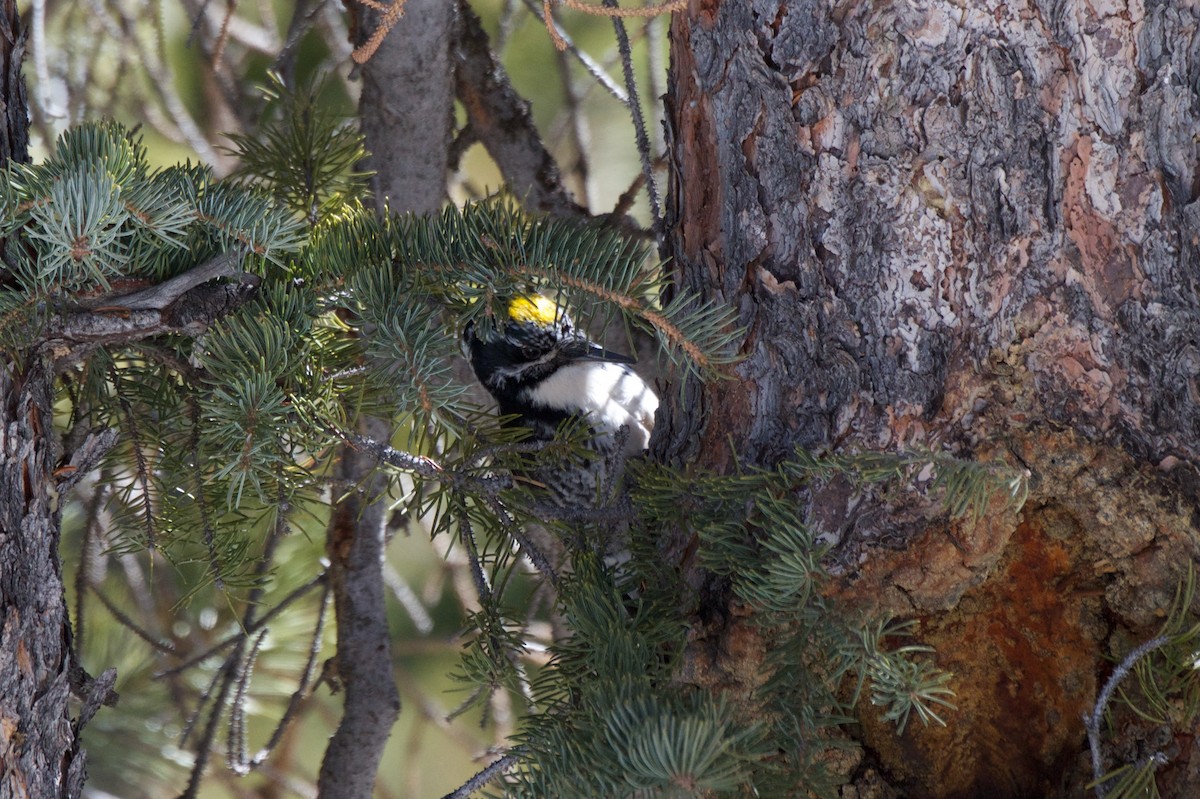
39	748
14	130
39	744
355	545
408	104
406	113
968	226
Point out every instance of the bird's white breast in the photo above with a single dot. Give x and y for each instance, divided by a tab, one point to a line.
610	395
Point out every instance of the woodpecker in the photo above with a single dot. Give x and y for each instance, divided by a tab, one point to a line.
544	370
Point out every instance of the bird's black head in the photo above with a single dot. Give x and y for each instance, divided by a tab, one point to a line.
536	339
523	348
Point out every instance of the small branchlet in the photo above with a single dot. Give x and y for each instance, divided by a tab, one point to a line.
1167	671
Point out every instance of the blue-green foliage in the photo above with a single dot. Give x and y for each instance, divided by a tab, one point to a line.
95	211
357	314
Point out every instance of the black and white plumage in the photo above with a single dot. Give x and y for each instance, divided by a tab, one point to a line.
540	367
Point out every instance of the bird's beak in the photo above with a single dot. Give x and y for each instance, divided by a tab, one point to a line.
581	349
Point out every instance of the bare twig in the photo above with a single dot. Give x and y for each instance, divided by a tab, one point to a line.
125	621
500	119
228	674
488	774
466	534
160	295
302	690
1092	721
635	112
593	67
240	635
235	749
304	17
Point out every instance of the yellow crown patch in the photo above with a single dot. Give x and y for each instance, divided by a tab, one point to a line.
533	308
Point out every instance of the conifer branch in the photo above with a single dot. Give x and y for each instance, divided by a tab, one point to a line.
295	594
531	551
466	534
206	524
235	748
670	331
125	621
302	689
142	469
666	7
161	295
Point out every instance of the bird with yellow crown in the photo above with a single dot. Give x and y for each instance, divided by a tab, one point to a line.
543	370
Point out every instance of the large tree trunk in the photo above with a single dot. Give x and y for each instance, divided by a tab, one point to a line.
39	747
969	227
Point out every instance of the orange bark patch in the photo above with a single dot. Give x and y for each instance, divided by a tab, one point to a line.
1021	648
1110	275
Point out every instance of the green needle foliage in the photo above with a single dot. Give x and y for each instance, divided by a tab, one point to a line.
229	432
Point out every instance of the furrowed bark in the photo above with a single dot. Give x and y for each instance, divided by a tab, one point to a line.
39	746
972	228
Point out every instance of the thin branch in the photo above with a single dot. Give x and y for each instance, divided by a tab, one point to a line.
143	470
227	675
87	550
125	621
304	17
302	689
535	555
224	683
634	305
666	7
240	635
501	120
593	67
408	599
235	748
635	112
488	774
421	465
466	533
1092	721
210	536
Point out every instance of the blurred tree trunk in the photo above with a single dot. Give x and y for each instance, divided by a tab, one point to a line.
406	114
967	227
39	748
